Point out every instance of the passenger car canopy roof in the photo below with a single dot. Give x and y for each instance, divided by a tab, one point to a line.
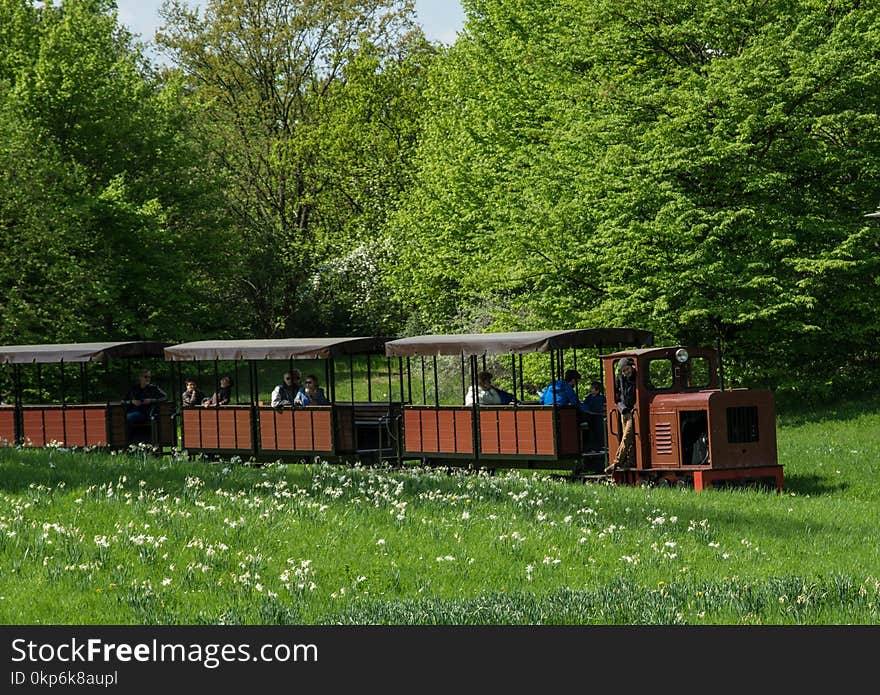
78	352
275	349
519	342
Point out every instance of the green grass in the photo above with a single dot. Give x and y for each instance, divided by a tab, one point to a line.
90	538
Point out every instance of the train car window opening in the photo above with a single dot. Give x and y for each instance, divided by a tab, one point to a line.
742	424
697	373
659	375
694	429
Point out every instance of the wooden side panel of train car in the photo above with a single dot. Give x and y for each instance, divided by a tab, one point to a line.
444	430
37	429
303	430
7	425
85	425
526	432
167	428
116	425
227	428
345	431
73	425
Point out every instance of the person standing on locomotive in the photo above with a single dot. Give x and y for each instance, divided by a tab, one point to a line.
625	398
142	399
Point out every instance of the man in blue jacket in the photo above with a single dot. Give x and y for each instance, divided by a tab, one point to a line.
562	391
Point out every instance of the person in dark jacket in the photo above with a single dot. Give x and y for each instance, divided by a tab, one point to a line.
594	404
142	400
625	398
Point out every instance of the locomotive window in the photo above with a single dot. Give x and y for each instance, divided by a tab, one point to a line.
659	375
699	372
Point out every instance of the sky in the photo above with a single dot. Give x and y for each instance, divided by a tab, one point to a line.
441	20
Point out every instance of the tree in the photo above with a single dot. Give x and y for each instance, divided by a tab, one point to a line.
696	169
101	194
309	108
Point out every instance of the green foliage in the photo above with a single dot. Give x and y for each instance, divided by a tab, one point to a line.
697	170
310	111
101	194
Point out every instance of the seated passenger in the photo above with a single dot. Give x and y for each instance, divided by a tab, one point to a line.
222	395
487	394
286	391
141	401
562	392
594	405
192	396
311	393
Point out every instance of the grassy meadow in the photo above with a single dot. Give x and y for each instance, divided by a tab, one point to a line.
92	538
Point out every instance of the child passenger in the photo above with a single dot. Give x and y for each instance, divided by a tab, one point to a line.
192	396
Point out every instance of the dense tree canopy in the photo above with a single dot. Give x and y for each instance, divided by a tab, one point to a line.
310	110
101	195
699	169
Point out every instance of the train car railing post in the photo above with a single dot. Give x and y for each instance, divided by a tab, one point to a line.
515	403
63	408
18	417
255	419
235	376
334	415
330	370
553	361
177	416
85	399
234	411
216	405
522	395
476	434
463	387
436	400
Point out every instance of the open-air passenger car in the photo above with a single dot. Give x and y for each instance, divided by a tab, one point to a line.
520	435
75	419
364	428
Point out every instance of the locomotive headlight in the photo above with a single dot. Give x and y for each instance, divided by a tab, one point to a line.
681	355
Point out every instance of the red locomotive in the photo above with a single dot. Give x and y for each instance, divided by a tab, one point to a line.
689	429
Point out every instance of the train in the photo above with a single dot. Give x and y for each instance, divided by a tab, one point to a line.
401	401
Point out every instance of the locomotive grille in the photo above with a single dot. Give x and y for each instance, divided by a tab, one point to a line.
742	424
663	438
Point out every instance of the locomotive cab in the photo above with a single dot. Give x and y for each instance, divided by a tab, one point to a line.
686	426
